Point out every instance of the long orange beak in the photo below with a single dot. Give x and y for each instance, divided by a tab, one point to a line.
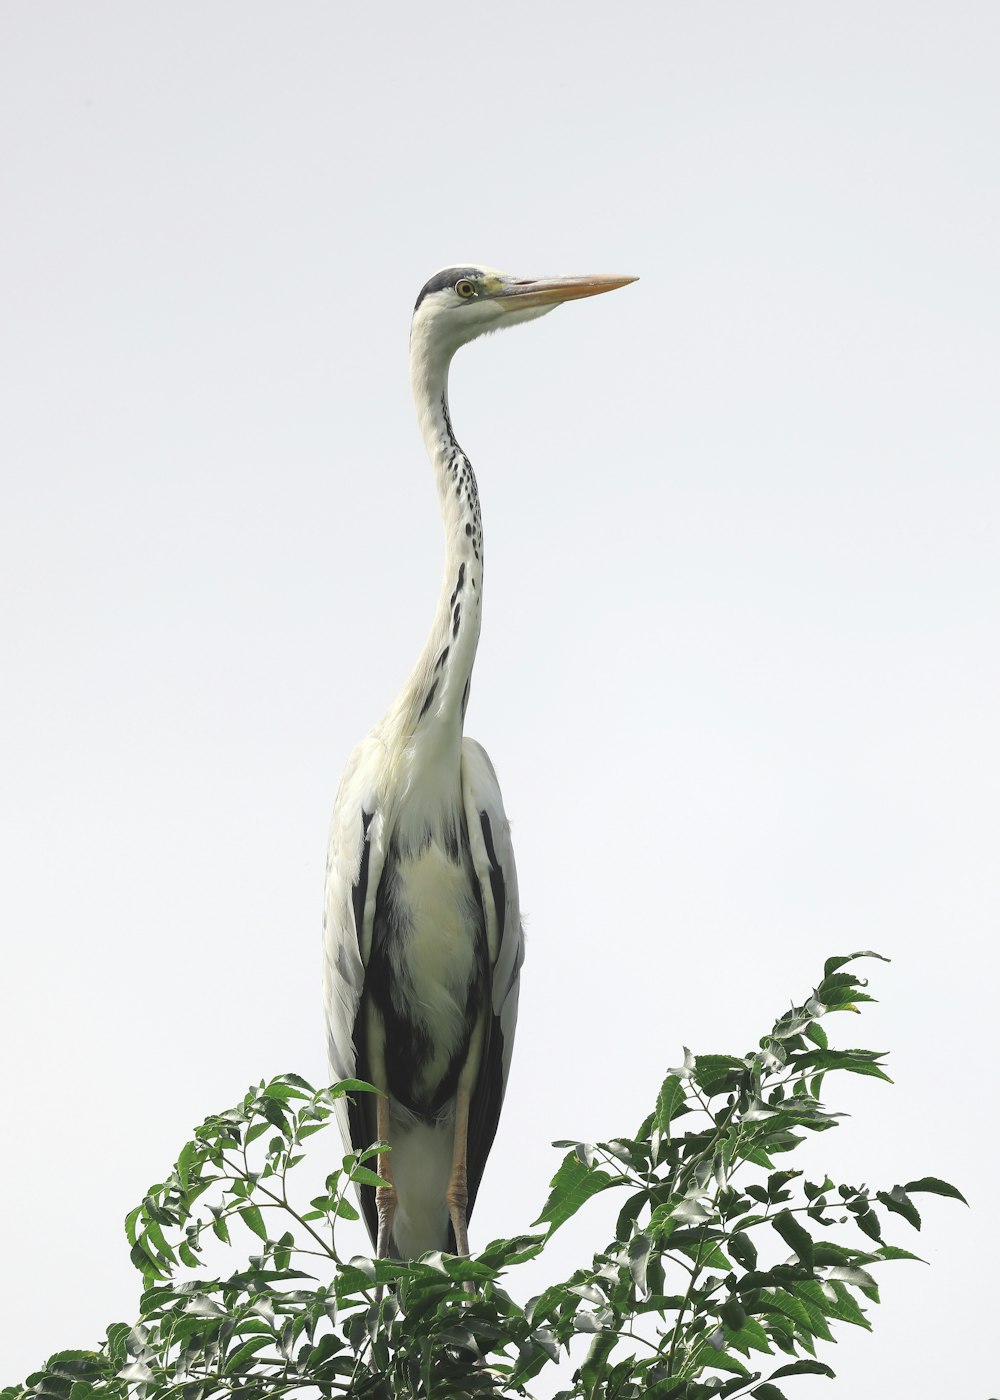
549	291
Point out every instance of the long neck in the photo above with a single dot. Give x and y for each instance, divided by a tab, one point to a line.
439	687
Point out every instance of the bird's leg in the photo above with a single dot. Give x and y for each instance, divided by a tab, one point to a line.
385	1195
457	1194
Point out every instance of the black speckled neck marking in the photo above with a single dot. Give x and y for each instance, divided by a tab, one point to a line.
463	479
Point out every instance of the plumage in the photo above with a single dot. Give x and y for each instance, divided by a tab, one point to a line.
422	932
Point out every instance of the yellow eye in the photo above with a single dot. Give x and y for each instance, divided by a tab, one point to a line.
465	288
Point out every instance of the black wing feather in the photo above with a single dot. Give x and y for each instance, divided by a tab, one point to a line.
487	1097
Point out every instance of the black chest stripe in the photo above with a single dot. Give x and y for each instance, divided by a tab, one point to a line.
497	885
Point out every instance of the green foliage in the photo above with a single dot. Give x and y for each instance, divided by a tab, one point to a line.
723	1265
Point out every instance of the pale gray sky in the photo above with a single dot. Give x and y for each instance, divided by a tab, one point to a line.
739	671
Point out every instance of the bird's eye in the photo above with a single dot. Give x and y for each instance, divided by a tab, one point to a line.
465	288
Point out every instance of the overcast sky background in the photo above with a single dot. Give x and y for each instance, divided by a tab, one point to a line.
739	668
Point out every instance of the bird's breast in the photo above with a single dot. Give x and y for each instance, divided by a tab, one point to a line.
428	971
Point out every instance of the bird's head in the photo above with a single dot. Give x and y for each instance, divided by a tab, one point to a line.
460	303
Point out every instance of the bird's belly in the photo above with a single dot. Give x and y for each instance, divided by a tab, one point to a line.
439	955
436	953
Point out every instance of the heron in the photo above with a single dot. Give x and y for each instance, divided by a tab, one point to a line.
423	942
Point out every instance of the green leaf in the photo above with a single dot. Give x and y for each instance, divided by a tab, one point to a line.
899	1202
670	1100
136	1371
751	1336
283	1092
117	1335
275	1115
245	1352
364	1176
638	1258
309	1128
352	1086
184	1162
832	964
252	1217
299	1081
768	1392
571	1187
869	1222
794	1236
852	1274
806	1366
70	1364
130	1223
891	1251
715	1073
594	1367
936	1187
145	1263
817	1035
733	1313
743	1249
801	1308
722	1360
843	1306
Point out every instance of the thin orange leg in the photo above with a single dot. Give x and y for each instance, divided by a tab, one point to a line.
457	1194
385	1195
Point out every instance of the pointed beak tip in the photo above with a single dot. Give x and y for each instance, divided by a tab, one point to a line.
555	290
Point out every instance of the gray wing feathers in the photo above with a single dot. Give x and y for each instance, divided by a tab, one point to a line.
493	855
353	871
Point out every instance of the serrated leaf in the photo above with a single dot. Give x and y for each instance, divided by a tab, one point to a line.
638	1260
364	1176
832	964
200	1306
713	1073
743	1249
184	1162
145	1263
936	1187
245	1352
806	1366
794	1236
892	1251
733	1313
593	1369
721	1360
130	1224
868	1221
571	1187
351	1086
802	1309
252	1217
751	1336
899	1203
843	1306
670	1099
852	1274
136	1371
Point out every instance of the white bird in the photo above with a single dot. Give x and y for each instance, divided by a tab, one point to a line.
422	929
